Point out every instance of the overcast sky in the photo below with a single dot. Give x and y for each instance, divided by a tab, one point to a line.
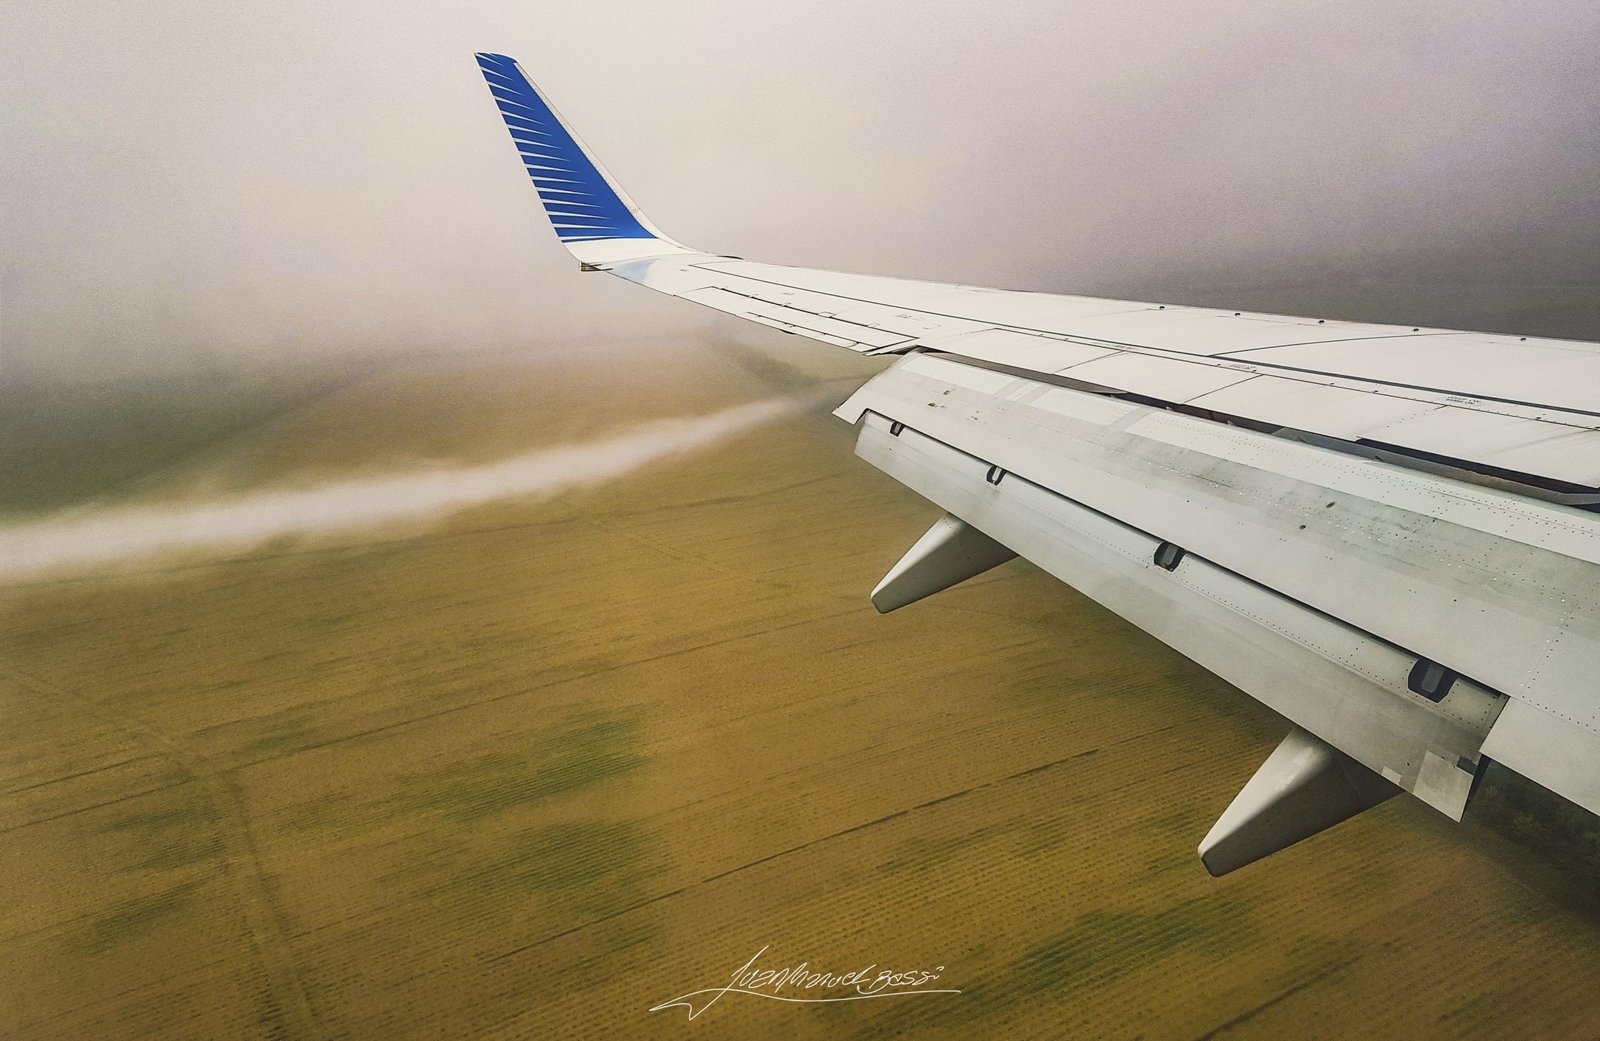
250	179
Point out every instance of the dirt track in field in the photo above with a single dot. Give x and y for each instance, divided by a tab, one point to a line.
533	767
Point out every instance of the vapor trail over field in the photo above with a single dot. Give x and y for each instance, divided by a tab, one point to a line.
85	540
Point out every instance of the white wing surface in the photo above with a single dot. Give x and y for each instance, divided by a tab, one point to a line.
1384	533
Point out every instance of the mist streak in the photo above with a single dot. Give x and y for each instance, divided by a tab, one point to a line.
118	533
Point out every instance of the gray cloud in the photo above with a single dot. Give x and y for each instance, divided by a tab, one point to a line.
185	181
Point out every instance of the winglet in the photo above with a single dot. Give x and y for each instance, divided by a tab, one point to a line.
591	214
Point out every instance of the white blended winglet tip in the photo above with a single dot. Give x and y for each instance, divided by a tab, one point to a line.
591	214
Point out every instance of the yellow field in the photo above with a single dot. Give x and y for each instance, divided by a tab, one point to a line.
531	771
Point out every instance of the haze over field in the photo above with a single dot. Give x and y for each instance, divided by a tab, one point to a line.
105	537
543	766
189	185
525	675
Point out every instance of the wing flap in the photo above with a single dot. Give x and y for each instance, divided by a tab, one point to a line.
1174	463
1544	747
1337	682
1498	588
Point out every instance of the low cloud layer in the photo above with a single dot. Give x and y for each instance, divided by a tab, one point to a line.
112	536
187	184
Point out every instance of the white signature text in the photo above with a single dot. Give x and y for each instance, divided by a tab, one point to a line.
803	985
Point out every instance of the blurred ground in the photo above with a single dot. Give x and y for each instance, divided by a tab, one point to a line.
543	766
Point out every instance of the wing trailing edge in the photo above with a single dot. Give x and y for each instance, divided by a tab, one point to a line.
1319	512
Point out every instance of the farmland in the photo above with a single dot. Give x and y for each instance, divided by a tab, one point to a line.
531	769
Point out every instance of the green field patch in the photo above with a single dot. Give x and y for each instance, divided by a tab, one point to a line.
1043	837
1560	833
133	918
269	1015
569	855
1175	863
1478	1013
584	751
925	853
574	870
341	812
1172	852
281	734
171	837
189	814
1178	823
182	851
1108	944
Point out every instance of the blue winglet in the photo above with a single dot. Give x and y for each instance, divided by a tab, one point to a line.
582	203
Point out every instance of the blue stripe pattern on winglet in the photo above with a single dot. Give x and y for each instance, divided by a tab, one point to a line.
580	202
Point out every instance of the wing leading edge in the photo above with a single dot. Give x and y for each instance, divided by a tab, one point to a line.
1401	563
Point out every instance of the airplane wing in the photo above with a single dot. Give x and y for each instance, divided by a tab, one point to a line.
1386	534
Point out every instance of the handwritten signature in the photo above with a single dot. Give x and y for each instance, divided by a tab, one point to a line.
861	985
